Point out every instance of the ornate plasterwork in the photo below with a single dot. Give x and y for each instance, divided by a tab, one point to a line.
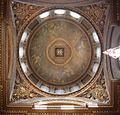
22	12
97	13
22	90
98	91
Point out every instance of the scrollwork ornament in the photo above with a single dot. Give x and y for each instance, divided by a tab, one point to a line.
23	12
97	12
97	91
22	90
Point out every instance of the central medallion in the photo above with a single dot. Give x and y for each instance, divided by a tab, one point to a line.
59	52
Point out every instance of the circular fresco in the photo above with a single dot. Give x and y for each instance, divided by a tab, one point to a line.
59	52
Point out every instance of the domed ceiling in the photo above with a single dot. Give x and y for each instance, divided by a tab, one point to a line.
60	52
55	59
51	60
55	50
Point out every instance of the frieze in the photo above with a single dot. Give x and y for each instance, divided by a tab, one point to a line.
94	112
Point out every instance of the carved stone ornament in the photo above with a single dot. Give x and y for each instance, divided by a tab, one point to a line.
23	91
97	91
97	13
22	12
